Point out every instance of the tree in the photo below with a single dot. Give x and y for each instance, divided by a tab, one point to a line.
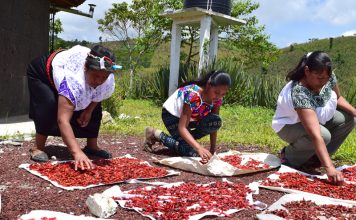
55	28
58	27
249	39
139	28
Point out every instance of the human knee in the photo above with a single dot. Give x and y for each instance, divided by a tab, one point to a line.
326	135
342	117
211	123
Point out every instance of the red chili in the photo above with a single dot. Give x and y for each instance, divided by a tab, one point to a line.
308	209
177	202
251	164
313	185
105	172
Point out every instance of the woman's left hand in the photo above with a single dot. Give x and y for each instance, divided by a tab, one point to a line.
84	118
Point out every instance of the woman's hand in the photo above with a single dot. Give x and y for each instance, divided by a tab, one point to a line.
84	118
204	154
81	160
334	175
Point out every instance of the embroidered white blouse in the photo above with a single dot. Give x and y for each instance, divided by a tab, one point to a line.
295	96
69	79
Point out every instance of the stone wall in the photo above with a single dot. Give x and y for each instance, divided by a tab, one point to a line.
23	36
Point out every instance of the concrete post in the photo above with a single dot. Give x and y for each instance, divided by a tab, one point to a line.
214	39
174	59
205	24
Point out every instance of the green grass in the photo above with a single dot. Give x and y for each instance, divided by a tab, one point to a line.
241	125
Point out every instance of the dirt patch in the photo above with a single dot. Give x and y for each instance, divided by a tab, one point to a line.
22	192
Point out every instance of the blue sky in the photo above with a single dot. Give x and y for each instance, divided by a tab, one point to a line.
286	21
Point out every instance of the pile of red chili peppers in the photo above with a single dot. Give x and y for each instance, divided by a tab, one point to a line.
188	199
105	172
306	209
318	186
251	164
350	174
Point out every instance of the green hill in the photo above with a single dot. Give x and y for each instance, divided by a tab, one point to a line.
342	51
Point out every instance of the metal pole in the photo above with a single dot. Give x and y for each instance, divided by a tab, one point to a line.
52	33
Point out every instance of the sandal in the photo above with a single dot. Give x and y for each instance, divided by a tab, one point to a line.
40	157
97	153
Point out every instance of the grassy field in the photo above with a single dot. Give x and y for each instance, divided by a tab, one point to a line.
241	125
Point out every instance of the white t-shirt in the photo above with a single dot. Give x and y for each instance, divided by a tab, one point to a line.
69	79
174	104
324	108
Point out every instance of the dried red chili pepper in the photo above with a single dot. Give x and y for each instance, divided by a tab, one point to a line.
349	173
318	186
187	199
251	164
306	209
105	172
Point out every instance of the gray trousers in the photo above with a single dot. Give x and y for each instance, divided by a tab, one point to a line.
300	149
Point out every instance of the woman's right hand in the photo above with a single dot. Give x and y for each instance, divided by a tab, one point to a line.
81	160
334	175
204	154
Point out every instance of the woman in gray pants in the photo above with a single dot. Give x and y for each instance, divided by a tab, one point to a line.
312	116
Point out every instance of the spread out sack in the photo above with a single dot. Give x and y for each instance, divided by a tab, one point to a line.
299	206
109	171
229	163
293	181
51	215
187	200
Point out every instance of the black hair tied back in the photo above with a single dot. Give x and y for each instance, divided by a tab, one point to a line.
214	78
220	78
97	52
316	61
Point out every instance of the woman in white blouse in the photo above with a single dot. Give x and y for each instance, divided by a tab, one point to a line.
66	89
312	116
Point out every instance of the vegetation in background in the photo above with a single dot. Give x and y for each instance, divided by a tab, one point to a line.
141	29
249	39
241	125
342	53
257	68
57	27
138	27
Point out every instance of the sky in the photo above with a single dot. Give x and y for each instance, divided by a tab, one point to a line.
286	21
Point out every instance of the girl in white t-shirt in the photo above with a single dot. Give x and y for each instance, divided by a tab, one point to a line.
312	116
191	113
66	89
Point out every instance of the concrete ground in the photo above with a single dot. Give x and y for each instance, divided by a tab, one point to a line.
13	127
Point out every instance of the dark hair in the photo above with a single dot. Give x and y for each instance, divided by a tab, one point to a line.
316	61
215	78
97	52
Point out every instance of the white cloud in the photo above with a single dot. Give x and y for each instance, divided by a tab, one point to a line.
84	28
349	33
338	12
335	12
280	11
